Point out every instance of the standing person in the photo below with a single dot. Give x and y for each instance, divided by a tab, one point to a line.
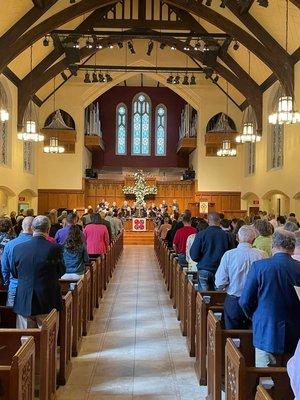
9	280
296	255
38	265
101	220
164	228
61	234
231	276
74	253
270	300
55	226
117	221
201	225
264	239
97	237
180	238
226	227
6	233
207	250
13	218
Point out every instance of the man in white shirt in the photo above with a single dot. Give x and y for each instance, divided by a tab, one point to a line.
232	273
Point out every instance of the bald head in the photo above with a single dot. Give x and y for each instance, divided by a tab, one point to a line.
27	224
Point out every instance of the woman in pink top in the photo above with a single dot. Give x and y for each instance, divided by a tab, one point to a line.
96	235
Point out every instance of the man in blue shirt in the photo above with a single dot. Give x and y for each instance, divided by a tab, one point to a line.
207	250
270	300
232	273
9	280
62	234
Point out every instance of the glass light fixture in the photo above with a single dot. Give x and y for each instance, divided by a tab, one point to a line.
54	147
226	150
248	130
284	112
30	127
30	131
4	115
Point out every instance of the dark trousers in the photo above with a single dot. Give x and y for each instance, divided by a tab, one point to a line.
234	317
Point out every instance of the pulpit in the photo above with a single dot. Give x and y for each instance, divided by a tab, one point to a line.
194	208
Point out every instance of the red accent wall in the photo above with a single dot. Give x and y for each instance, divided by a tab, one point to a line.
122	94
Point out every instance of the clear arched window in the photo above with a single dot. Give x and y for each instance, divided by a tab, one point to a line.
141	117
121	129
161	130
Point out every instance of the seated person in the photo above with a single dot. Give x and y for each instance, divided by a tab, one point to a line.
74	254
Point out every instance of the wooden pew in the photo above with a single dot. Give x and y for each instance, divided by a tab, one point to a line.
17	366
262	394
76	287
216	340
242	377
191	316
183	302
45	351
65	339
205	301
86	301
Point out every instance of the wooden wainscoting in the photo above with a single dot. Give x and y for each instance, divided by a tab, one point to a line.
60	198
229	202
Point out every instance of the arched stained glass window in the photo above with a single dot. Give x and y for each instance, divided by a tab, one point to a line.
121	129
160	130
141	117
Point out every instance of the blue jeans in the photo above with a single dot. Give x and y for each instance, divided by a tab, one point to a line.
182	259
206	280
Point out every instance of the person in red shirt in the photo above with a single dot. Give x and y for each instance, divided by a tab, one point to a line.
180	238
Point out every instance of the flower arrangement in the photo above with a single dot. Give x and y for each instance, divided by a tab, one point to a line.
140	189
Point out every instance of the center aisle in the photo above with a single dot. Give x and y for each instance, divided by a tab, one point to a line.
134	348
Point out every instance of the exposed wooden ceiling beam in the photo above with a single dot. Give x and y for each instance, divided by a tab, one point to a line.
52	57
296	3
285	68
39	4
23	25
245	6
148	24
254	90
255	46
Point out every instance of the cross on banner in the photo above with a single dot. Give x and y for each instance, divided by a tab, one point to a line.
140	189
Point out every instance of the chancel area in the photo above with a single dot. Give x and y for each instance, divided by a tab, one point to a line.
149	200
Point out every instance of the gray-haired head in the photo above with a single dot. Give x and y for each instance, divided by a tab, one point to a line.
283	241
41	224
297	235
291	226
246	234
213	218
27	224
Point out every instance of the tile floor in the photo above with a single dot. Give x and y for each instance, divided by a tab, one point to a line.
134	349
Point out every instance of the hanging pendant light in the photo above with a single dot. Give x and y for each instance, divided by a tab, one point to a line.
4	114
284	112
226	150
30	127
248	130
54	147
57	123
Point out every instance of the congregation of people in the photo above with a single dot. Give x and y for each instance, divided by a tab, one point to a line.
257	262
37	251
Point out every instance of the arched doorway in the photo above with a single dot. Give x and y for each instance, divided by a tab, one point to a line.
276	202
27	199
6	196
251	203
297	205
